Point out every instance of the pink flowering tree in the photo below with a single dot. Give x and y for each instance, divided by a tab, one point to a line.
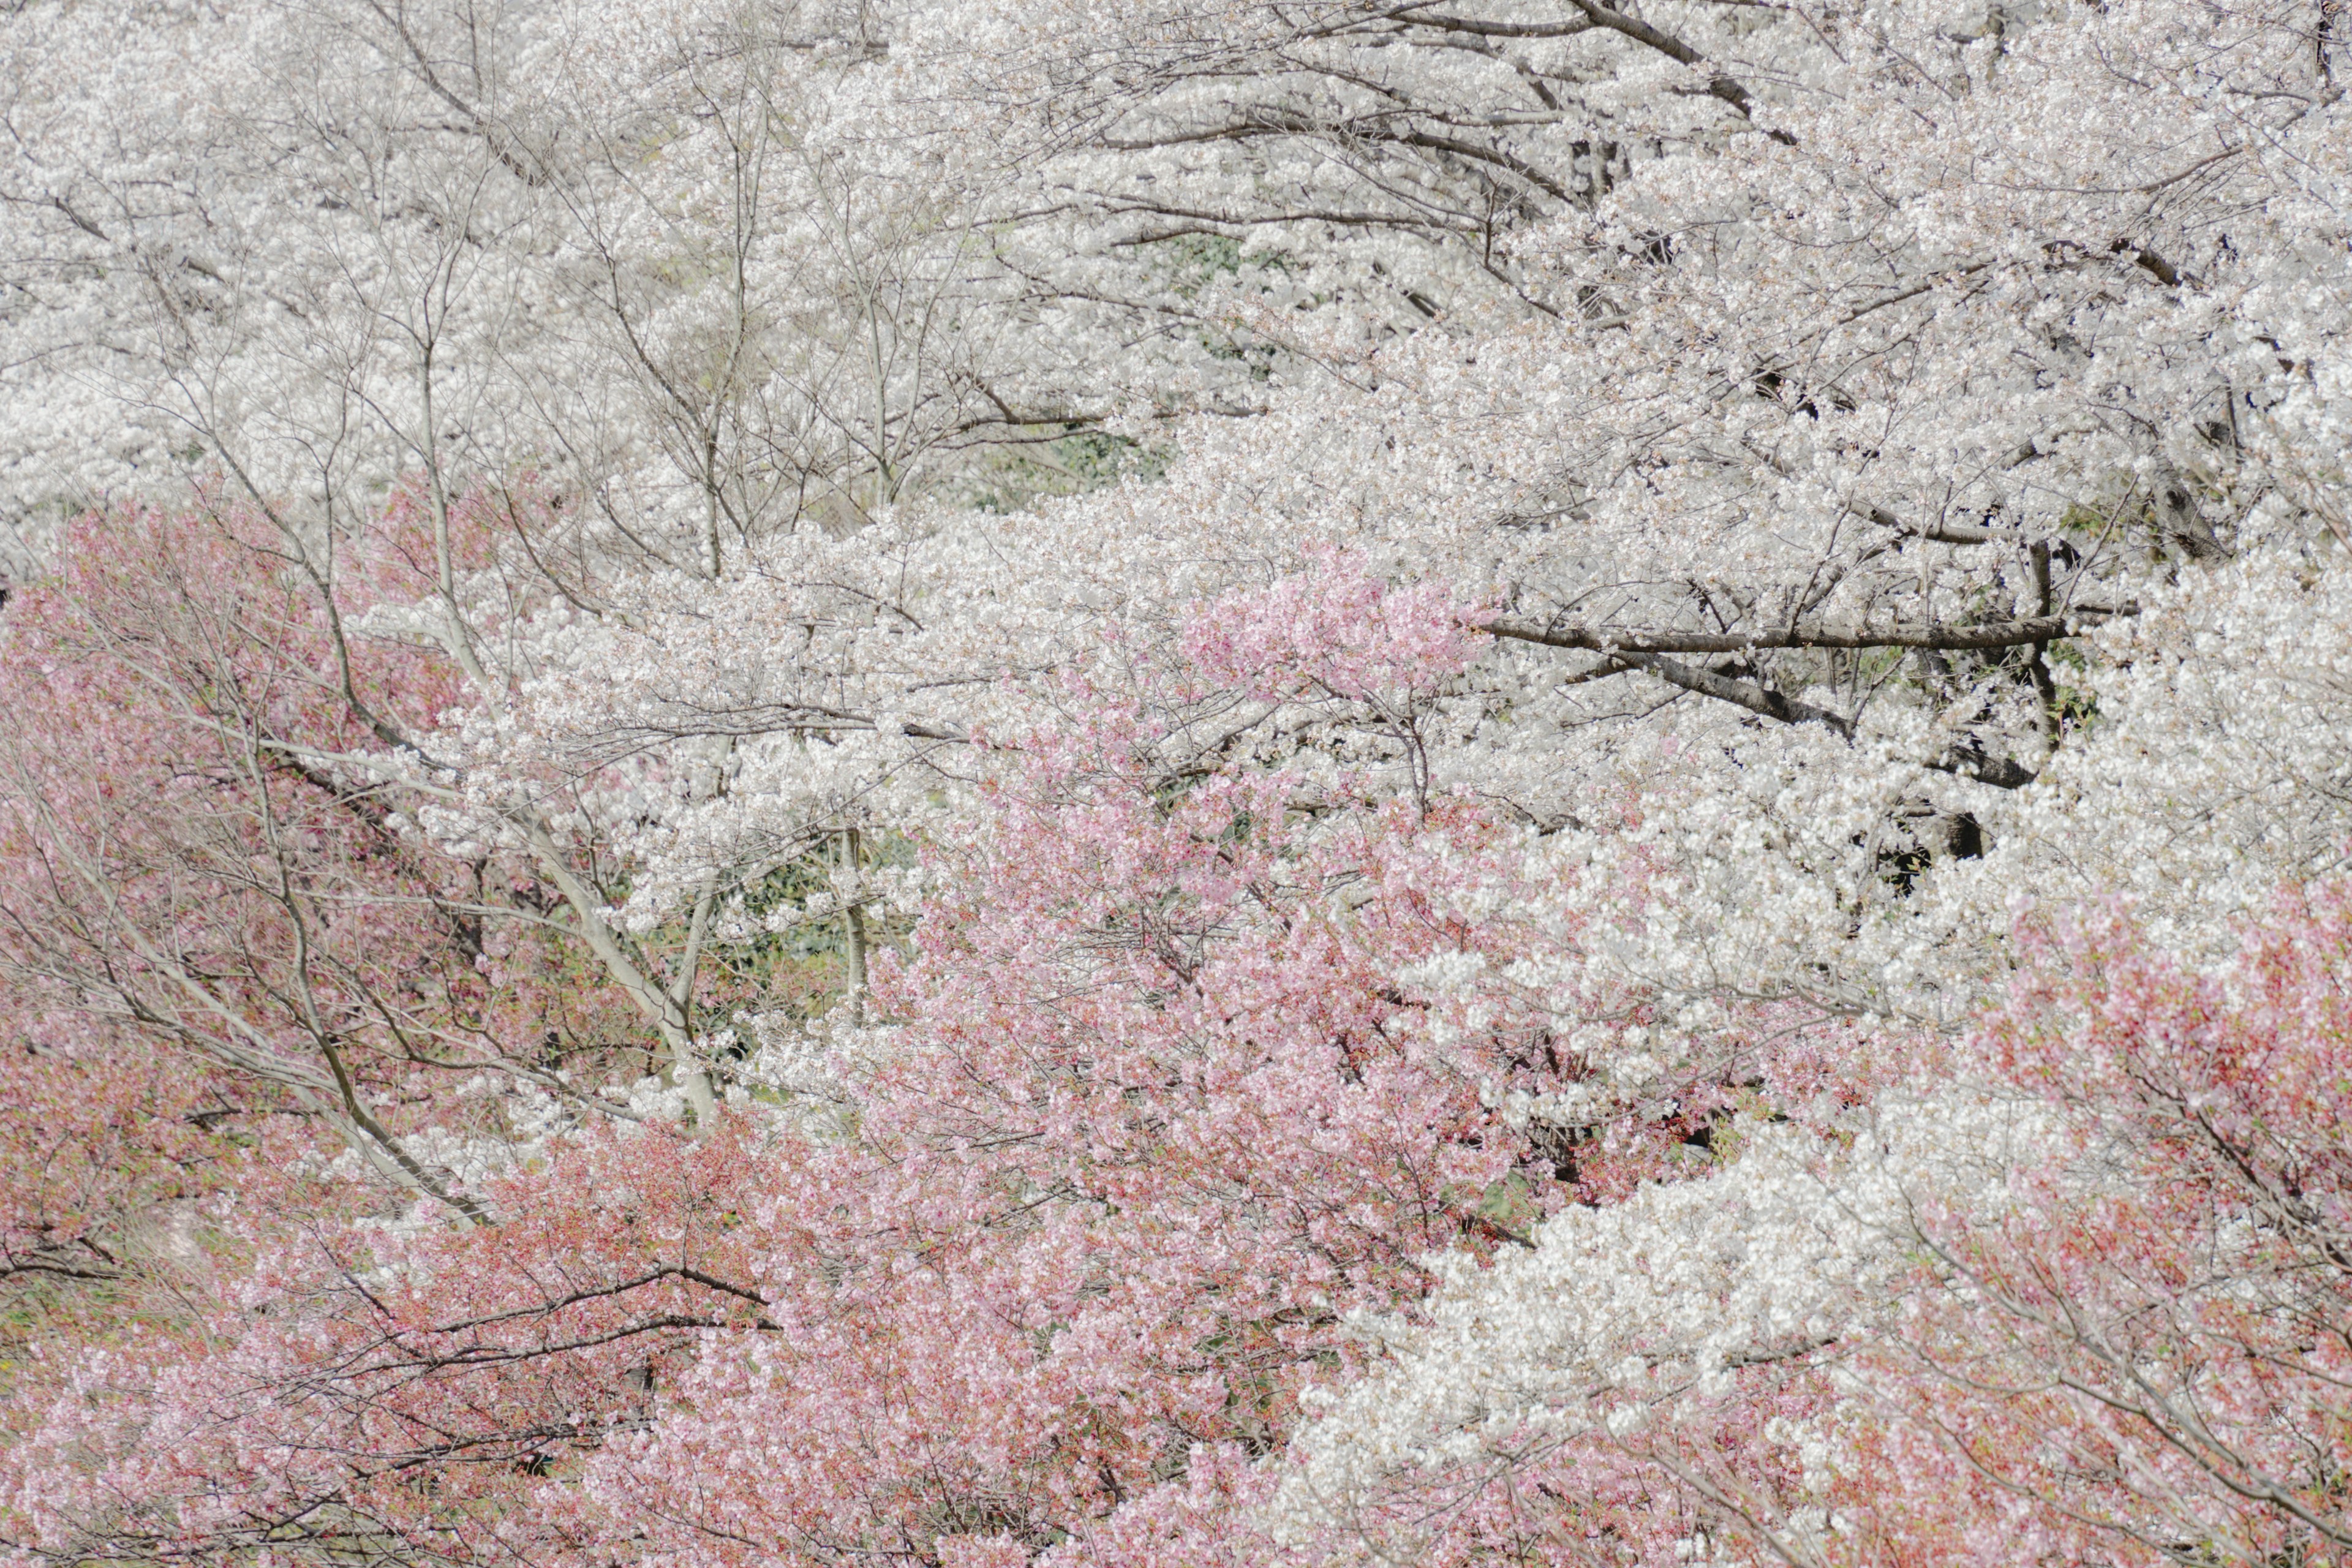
248	1003
2140	1354
1149	1110
2070	1289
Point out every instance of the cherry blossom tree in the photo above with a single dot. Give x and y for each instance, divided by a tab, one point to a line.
1006	1271
2090	1309
1143	783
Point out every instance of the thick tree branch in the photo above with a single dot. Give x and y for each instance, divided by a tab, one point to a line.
1721	85
1757	699
2023	633
1486	29
1966	762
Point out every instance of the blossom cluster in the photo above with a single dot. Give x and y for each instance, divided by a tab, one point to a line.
1126	783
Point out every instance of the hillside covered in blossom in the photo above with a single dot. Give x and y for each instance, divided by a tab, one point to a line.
1175	784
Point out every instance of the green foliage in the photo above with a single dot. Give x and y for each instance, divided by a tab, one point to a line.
1018	475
